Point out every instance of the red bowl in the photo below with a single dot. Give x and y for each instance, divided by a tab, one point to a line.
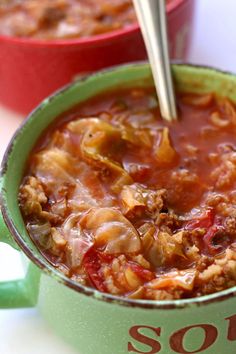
30	69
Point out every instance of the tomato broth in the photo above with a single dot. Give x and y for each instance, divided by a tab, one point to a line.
118	199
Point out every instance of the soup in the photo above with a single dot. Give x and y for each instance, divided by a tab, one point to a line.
49	19
61	19
120	200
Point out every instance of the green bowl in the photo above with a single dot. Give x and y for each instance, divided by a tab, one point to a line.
91	321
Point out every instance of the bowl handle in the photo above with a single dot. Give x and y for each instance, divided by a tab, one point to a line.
21	292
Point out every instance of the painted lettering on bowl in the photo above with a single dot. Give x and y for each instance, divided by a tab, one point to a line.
177	339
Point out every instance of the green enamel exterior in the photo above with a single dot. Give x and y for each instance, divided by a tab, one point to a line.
87	321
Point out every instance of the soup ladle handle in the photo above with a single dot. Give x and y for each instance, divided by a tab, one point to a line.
152	19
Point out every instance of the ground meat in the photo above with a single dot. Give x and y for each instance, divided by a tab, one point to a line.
107	207
212	271
164	294
216	274
215	200
168	221
224	175
32	197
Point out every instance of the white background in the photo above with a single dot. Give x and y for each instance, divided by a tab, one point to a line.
213	43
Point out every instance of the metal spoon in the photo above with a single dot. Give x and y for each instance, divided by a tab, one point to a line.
152	19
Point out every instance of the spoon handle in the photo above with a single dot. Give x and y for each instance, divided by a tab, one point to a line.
152	19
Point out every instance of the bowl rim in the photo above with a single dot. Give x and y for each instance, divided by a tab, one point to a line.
42	263
111	36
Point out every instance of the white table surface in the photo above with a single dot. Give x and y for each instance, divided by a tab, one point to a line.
23	331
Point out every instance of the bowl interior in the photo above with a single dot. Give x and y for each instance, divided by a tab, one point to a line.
187	78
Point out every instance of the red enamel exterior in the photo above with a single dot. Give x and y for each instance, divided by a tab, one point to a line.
32	69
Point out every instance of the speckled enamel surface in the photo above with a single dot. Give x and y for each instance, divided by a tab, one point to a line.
91	321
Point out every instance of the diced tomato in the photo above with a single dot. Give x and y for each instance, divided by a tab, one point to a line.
139	172
213	225
106	258
205	221
92	264
208	239
141	272
217	239
142	173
